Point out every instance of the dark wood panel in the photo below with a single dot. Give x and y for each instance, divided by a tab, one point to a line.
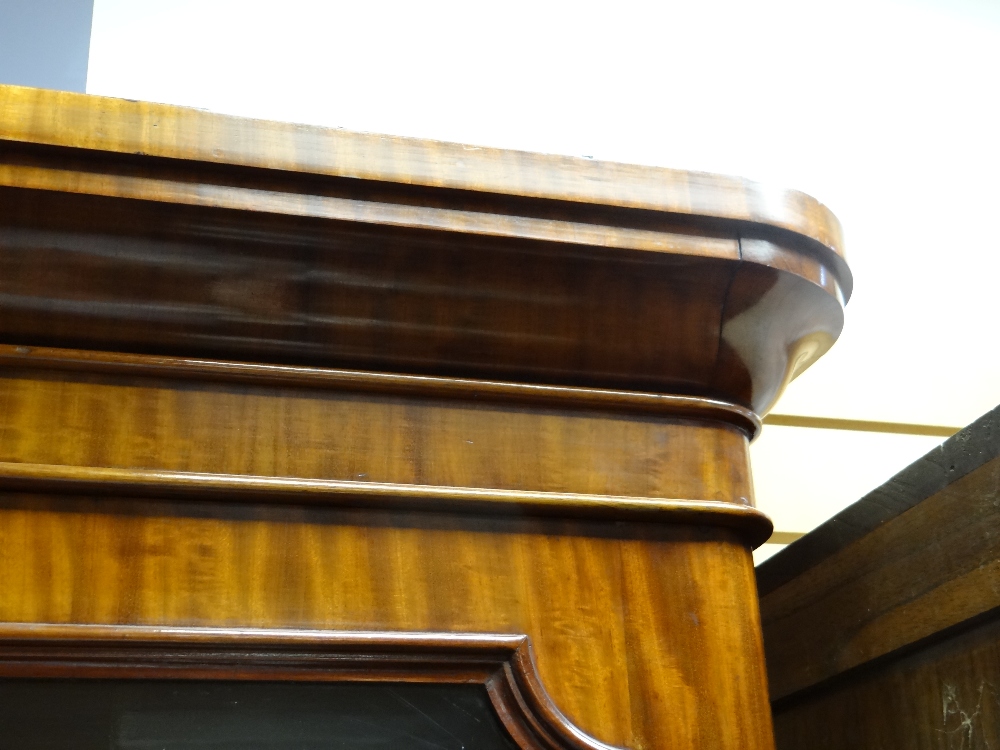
926	569
239	285
86	272
941	697
881	628
932	567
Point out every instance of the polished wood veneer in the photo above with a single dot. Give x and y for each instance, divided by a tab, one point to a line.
274	242
292	387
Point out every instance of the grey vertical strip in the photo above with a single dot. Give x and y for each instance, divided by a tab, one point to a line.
45	43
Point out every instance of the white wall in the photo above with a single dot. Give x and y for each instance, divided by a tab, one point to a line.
887	111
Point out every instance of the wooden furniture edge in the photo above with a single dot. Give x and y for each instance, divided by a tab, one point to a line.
503	663
293	376
127	128
751	524
208	194
86	124
961	454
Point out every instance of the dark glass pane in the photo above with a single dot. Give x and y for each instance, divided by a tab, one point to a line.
208	715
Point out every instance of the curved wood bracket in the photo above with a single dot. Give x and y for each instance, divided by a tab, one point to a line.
503	663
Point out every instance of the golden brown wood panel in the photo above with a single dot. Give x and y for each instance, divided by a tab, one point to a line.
43	359
613	620
102	421
592	596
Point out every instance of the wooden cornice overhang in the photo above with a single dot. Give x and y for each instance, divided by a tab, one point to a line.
245	238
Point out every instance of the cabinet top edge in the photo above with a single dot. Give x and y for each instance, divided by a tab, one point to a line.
122	126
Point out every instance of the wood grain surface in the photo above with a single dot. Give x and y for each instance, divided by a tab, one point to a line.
133	491
265	376
933	567
86	419
940	696
360	255
627	647
155	130
41	359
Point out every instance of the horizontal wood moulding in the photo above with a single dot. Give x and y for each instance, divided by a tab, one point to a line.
151	413
99	125
751	524
290	376
266	242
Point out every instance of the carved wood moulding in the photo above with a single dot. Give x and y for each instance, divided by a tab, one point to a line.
27	358
45	479
271	242
503	663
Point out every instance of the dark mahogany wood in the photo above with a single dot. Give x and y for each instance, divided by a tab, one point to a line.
264	241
